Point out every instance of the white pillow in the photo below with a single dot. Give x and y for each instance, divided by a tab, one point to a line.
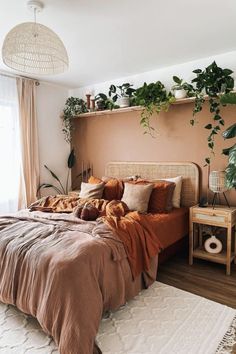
136	196
177	191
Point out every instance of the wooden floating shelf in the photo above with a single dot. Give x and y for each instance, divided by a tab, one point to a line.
137	108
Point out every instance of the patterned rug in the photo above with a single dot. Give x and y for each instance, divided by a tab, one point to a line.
160	320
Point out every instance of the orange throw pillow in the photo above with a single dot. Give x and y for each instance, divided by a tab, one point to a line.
94	180
113	189
161	197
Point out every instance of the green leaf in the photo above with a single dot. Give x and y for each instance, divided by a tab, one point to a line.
177	80
207	160
48	185
103	96
52	173
208	126
230	132
71	159
228	98
227	72
197	71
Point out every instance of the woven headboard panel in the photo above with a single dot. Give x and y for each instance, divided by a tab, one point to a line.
157	170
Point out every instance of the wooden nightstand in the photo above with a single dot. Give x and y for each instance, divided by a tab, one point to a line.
221	216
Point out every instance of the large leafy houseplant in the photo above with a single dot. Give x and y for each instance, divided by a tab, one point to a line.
58	187
73	107
153	98
230	133
212	81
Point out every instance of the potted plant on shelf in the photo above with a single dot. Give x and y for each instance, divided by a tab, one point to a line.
104	102
125	93
181	88
73	107
154	98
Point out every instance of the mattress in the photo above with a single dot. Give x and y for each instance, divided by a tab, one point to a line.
170	227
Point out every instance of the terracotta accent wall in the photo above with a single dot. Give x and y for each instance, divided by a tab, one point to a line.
119	137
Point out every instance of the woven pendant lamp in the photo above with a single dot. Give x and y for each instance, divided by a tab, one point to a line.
33	48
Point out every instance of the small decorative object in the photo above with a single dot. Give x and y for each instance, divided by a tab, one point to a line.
203	202
217	185
213	245
88	100
92	99
34	48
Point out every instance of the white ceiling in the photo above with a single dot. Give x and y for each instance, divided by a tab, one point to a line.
108	39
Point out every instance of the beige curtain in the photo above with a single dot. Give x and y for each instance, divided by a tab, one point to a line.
29	141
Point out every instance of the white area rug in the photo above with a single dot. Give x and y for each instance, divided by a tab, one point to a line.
161	320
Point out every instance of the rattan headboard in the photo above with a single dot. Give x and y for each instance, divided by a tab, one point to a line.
157	170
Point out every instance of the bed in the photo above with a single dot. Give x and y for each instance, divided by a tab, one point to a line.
67	272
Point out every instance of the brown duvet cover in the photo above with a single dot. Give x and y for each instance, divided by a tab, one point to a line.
66	272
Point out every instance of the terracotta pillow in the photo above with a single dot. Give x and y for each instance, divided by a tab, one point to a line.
89	190
113	188
161	196
136	196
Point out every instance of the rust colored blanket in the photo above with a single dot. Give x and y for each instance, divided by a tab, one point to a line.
140	241
65	272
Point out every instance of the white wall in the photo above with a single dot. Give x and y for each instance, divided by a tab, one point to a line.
227	60
53	150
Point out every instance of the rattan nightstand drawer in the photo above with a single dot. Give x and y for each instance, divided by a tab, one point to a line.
211	216
202	218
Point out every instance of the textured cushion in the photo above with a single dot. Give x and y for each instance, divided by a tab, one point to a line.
136	196
89	190
177	192
161	197
113	189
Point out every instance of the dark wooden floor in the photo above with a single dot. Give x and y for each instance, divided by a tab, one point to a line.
202	278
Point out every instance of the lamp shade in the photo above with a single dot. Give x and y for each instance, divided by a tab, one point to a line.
34	49
217	181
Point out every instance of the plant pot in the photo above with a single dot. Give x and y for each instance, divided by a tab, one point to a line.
180	94
100	105
124	102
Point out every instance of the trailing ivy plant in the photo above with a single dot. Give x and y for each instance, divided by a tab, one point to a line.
212	81
230	133
73	107
154	98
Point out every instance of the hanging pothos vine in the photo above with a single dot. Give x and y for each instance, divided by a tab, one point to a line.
73	107
154	98
212	81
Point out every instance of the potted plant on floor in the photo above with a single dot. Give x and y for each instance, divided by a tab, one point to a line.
125	93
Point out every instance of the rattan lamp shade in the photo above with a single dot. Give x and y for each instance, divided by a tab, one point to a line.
34	49
217	182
